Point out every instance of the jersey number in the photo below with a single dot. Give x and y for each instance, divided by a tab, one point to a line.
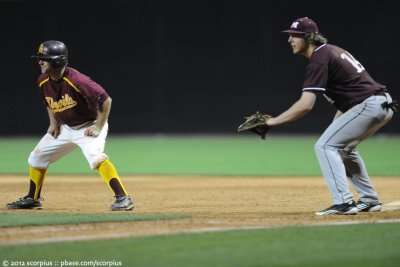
356	64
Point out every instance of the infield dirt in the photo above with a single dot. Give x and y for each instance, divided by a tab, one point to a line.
211	202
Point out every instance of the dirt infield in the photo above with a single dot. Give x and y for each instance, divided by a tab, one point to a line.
213	203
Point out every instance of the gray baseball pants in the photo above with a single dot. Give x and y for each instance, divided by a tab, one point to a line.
337	154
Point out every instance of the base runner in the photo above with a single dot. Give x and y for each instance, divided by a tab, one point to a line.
78	109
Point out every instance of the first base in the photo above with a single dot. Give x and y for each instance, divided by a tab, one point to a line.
391	206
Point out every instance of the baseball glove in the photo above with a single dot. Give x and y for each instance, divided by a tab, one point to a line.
256	123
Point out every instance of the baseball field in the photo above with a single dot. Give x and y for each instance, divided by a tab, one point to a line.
199	201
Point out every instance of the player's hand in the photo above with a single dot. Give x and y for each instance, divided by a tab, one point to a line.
92	131
54	130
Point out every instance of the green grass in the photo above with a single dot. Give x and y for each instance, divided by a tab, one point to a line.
14	220
207	155
366	245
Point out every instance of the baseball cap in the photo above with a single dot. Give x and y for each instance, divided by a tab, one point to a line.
303	26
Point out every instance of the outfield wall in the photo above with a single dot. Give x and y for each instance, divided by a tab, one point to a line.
182	66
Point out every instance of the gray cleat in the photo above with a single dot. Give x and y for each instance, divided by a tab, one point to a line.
368	207
122	203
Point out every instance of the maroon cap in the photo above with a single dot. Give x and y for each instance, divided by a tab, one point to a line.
303	26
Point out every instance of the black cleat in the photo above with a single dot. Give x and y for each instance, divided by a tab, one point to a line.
344	209
25	203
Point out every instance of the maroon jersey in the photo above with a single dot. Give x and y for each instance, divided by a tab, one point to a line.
336	73
75	99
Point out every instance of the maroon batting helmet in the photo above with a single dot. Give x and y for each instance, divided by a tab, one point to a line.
55	52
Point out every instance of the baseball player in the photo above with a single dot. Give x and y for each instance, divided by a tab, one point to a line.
363	106
78	109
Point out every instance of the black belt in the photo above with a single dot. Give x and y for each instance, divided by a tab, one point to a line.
382	93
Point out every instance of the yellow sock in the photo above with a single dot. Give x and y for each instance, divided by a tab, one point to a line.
109	174
37	177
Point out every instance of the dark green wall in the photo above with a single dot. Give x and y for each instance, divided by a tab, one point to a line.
184	66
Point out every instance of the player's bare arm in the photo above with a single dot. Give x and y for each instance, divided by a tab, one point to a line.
300	108
54	127
103	113
102	117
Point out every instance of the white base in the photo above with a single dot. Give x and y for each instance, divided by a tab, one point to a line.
391	206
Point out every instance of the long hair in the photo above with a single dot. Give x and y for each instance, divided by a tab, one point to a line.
315	38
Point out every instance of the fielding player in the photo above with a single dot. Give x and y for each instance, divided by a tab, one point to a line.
78	109
363	107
